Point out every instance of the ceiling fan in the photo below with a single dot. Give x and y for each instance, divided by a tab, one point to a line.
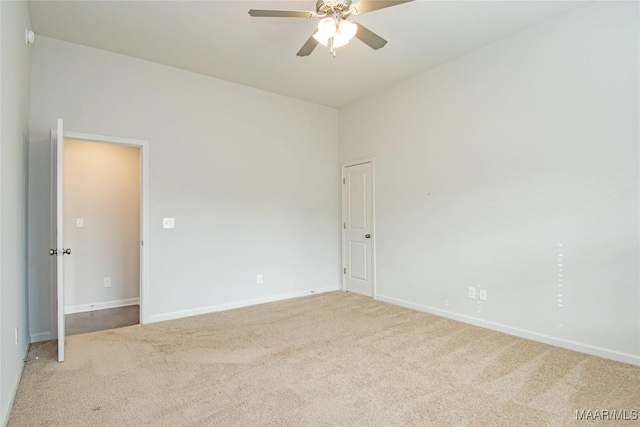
335	28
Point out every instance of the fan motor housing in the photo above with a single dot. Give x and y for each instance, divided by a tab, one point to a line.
326	6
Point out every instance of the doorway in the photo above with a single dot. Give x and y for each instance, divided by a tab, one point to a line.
102	224
358	227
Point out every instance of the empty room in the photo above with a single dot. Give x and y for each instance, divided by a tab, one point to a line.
331	212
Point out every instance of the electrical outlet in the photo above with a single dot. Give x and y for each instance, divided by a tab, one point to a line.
107	282
471	292
16	335
483	294
259	278
168	223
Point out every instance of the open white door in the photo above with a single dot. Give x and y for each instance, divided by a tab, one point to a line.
59	251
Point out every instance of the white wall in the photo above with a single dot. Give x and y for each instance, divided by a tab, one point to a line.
101	186
250	177
41	294
484	165
14	119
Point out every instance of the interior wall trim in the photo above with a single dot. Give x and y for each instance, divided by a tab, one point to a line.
244	303
70	309
522	333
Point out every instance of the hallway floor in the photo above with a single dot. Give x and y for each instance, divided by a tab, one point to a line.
100	320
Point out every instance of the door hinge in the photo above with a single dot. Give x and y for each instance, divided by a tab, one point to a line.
344	180
344	271
344	225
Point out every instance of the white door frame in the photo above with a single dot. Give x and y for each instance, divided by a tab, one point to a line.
144	206
343	263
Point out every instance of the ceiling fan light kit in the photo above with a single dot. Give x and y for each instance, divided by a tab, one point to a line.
335	29
339	36
326	28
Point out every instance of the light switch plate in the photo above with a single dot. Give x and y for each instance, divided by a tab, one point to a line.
79	222
168	223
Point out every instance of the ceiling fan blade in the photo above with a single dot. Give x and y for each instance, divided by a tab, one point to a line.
308	47
281	13
364	6
370	38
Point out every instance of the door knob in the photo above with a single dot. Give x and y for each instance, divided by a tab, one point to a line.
66	252
53	251
368	236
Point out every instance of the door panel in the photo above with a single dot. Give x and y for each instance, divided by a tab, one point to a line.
358	229
358	200
358	261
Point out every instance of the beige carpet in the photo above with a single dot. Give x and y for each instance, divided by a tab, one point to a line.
330	359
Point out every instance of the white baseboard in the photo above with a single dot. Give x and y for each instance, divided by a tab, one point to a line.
70	309
13	389
229	306
40	336
522	333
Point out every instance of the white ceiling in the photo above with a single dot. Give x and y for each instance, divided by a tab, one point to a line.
219	39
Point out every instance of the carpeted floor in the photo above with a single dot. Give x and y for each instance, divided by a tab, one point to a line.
329	359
